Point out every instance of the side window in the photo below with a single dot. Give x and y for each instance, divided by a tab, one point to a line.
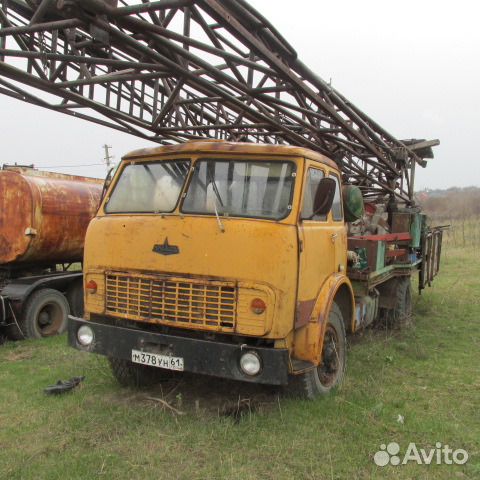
311	185
337	210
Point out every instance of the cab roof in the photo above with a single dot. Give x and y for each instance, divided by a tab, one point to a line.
218	146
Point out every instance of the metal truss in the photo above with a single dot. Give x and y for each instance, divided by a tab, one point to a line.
175	70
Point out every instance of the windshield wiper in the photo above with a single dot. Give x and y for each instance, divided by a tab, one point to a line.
215	189
217	194
150	174
219	221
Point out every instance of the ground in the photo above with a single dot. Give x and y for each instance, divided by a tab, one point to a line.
418	384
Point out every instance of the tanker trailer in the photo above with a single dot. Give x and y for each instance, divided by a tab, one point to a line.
43	220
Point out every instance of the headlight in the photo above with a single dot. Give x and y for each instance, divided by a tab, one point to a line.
250	363
85	335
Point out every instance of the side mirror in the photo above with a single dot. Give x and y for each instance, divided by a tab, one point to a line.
324	196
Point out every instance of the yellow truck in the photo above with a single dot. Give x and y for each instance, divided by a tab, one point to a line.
243	261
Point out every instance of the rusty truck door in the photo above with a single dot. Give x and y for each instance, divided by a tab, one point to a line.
339	229
317	238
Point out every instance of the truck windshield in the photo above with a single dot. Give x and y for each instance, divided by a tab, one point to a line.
148	188
259	189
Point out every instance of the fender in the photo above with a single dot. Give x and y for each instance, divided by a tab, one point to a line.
308	338
19	289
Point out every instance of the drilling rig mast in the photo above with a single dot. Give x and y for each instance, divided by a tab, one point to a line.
176	70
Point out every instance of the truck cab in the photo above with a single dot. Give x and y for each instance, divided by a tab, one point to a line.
225	259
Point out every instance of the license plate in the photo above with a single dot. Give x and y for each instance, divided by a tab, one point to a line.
155	360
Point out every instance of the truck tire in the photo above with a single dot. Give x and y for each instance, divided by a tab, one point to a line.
331	371
75	298
129	374
402	310
44	314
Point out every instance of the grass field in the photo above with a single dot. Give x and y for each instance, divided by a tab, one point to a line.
419	384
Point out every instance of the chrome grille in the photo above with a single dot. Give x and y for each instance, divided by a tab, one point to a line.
185	302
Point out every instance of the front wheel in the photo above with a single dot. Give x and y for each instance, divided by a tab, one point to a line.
129	374
331	371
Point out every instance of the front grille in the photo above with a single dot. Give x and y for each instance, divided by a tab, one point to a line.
184	302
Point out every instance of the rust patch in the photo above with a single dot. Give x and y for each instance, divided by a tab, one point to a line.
44	216
303	313
210	146
322	317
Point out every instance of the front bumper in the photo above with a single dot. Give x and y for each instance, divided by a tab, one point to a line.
200	356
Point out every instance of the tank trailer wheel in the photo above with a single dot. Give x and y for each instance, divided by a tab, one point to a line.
44	314
331	371
129	374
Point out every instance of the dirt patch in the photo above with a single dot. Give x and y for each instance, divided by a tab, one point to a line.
207	396
16	356
203	394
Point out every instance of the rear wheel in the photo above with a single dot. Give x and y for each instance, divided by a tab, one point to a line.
402	310
129	374
331	371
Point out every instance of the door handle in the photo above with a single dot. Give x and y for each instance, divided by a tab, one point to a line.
334	237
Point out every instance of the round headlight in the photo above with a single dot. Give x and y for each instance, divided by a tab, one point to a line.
250	363
85	335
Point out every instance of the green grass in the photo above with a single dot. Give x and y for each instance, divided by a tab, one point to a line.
428	372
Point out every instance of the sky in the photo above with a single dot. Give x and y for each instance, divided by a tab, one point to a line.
412	66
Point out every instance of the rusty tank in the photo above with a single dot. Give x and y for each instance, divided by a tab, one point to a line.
44	215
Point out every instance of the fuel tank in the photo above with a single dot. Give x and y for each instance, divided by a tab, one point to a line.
44	215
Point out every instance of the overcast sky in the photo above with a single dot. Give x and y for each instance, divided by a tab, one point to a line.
413	66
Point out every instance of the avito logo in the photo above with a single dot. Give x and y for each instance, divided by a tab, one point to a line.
441	454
